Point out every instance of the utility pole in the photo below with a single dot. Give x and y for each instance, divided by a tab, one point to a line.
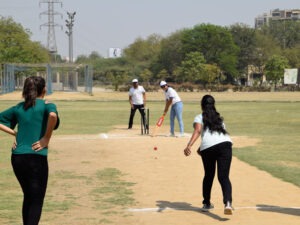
51	41
69	32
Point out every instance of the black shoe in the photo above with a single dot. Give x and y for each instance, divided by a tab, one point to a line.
207	207
228	209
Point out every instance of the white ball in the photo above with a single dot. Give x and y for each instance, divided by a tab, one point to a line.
103	136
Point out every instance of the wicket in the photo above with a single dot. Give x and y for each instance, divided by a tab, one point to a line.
145	127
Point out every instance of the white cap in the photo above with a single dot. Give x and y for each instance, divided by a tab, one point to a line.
162	83
135	81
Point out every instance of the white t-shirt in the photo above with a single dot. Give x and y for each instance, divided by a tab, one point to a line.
171	93
137	95
209	139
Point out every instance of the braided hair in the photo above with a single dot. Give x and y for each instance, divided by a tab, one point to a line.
211	118
33	88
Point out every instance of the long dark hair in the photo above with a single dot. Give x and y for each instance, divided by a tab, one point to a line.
33	88
211	118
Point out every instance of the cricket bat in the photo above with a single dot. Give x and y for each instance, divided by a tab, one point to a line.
158	124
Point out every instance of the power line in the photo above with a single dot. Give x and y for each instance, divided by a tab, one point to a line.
51	40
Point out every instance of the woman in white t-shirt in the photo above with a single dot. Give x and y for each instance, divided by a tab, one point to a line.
215	148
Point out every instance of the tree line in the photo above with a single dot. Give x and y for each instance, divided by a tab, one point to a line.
205	54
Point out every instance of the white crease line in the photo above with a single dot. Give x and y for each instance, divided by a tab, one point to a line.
198	208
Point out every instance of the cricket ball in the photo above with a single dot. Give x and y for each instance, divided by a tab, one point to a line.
155	148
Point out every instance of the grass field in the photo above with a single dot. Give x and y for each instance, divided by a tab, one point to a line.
276	123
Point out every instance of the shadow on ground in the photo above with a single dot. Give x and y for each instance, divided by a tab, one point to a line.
184	206
278	209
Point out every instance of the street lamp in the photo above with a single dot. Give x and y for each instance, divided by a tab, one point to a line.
69	32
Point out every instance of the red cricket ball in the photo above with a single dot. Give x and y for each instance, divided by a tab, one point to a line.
155	148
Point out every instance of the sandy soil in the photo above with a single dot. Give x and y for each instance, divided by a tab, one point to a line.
167	184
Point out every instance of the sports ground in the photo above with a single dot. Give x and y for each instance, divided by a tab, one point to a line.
119	178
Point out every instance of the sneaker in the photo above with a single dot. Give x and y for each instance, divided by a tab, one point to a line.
207	207
181	135
171	135
228	209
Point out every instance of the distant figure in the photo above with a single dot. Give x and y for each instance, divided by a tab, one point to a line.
36	119
137	100
173	100
215	149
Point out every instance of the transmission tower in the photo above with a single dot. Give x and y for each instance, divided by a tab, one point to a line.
51	41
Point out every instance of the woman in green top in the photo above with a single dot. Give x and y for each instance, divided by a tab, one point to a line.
36	119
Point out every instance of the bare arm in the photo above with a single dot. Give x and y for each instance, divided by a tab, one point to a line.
195	136
168	103
7	130
44	141
130	102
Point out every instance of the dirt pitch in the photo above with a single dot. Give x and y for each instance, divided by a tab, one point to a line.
167	186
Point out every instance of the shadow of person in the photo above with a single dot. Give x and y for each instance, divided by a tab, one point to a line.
295	211
184	206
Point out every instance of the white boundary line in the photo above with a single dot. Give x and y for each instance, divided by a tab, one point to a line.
198	208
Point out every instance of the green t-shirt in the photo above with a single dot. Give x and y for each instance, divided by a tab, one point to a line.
32	124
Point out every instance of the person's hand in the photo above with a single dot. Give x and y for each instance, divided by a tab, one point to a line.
187	151
41	144
14	146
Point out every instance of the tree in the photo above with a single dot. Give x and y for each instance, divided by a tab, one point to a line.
286	32
162	75
274	69
170	55
146	75
244	38
265	47
192	68
142	53
117	78
215	43
211	73
293	55
16	46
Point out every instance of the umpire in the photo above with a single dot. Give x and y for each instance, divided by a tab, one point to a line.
137	100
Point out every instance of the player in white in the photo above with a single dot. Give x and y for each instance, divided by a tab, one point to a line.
137	100
172	98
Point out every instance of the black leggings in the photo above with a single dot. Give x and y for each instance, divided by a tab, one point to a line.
32	173
220	154
132	113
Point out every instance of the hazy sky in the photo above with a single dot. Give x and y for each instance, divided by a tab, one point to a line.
103	24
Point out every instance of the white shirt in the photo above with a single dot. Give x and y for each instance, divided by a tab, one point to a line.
209	139
137	95
171	93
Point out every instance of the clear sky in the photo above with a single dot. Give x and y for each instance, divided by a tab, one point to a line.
103	24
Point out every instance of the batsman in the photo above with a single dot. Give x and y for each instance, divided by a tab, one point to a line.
173	100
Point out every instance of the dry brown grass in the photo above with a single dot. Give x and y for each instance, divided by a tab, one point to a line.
104	95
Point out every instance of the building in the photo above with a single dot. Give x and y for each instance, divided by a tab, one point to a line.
277	14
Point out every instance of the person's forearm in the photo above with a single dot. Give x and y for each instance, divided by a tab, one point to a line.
52	120
7	130
194	137
168	103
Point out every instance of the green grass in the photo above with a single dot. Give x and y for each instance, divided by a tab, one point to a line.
276	124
